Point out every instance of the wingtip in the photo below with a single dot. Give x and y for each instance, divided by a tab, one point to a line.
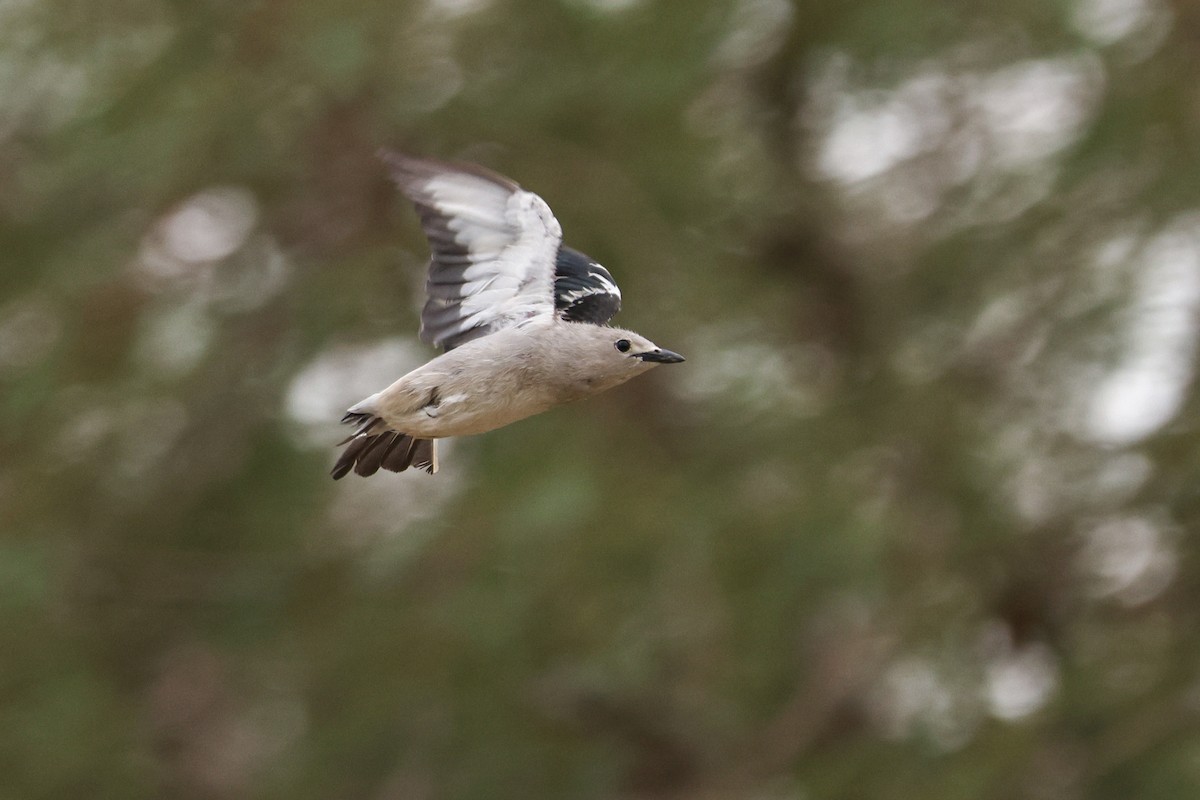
400	165
406	167
391	157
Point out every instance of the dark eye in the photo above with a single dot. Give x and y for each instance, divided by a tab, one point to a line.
623	345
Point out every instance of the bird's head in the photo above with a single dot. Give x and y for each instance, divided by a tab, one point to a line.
611	356
632	347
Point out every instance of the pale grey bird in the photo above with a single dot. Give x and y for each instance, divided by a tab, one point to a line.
522	318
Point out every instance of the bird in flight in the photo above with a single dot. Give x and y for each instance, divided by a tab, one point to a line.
522	318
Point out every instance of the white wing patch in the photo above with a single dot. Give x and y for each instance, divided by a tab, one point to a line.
493	249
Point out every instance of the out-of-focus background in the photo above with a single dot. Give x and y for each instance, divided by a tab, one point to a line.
917	518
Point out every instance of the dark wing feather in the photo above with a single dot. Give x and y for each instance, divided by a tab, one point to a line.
584	291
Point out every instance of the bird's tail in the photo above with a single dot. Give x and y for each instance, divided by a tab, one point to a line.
366	451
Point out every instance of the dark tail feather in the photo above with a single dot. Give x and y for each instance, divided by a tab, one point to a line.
424	455
371	457
366	452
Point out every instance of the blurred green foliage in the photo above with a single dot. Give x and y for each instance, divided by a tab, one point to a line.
916	518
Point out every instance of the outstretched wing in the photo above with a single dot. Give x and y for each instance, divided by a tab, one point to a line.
584	291
493	248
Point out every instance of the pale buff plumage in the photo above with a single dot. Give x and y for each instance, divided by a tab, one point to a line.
517	347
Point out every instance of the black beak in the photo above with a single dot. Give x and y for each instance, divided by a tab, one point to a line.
661	356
